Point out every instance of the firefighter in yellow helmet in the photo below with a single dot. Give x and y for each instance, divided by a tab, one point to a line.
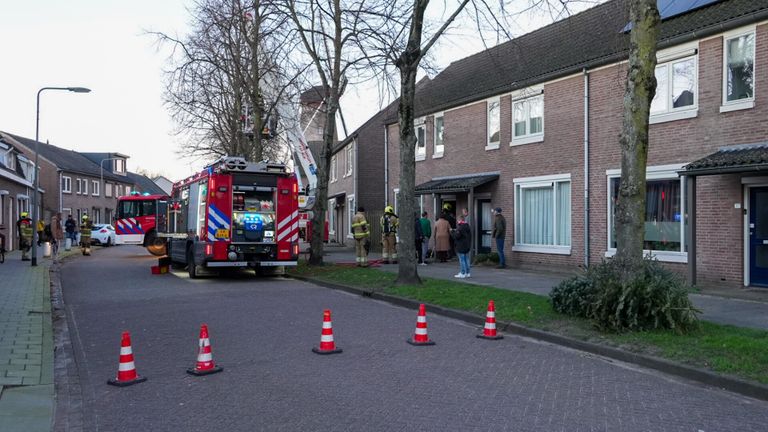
85	235
362	237
25	231
389	224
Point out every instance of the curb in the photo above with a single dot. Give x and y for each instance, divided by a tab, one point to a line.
733	384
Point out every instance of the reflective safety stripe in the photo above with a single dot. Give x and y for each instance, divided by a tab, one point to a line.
421	331
326	338
490	326
326	324
491	314
204	357
421	319
123	367
125	350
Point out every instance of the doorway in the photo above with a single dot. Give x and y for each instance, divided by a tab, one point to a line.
484	226
758	236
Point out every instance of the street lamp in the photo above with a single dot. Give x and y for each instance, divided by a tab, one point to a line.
35	207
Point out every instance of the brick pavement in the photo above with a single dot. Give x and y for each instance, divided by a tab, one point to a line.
26	344
262	332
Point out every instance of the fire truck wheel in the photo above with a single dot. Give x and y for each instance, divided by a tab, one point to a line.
191	266
155	245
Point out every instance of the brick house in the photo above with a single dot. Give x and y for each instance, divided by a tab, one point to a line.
16	186
357	178
512	127
77	184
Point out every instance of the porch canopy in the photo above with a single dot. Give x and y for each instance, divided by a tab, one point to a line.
738	159
462	183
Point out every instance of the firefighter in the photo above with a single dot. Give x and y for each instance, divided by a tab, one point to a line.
389	224
24	228
362	237
85	235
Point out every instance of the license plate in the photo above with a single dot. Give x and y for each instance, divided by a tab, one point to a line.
222	233
269	233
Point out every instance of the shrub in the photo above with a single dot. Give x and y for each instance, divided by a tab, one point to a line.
486	259
654	298
480	259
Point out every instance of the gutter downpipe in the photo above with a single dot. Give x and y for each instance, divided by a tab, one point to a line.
586	168
386	166
61	192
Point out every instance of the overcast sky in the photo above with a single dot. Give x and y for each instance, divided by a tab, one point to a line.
100	44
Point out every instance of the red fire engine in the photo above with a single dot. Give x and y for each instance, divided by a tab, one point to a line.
233	214
135	222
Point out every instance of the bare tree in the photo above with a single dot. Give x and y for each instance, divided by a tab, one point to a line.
214	87
640	90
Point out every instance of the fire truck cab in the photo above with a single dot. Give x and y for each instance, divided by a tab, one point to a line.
233	214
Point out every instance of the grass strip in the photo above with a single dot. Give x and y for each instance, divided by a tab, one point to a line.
737	351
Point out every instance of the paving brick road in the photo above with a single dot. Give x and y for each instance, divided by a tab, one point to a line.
262	332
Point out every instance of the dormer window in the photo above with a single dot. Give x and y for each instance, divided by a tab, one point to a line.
119	166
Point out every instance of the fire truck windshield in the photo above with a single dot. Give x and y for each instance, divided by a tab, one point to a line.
136	208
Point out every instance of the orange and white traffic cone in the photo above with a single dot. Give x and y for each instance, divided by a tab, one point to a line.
126	370
420	336
489	331
327	345
205	364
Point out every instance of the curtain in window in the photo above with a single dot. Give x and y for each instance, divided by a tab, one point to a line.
536	114
740	67
564	214
537	216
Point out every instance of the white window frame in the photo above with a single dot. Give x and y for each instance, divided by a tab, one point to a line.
395	193
95	189
534	182
420	125
495	144
127	189
85	186
438	149
333	177
350	214
79	190
350	157
746	103
659	172
119	165
66	184
331	217
667	58
523	97
108	189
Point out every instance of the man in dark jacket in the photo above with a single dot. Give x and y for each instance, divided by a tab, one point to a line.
498	233
419	238
463	237
70	228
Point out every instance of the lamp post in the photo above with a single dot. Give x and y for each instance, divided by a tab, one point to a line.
35	204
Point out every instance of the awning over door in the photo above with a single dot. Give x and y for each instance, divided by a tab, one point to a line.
731	160
463	183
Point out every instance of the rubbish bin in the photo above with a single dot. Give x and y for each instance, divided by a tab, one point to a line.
47	250
68	244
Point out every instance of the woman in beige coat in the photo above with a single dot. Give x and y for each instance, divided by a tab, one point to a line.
442	238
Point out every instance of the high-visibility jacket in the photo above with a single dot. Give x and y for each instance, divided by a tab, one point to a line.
85	232
25	228
389	224
360	226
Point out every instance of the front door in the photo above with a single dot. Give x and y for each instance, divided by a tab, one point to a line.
484	226
758	236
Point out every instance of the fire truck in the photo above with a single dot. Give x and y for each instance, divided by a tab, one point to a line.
135	222
232	214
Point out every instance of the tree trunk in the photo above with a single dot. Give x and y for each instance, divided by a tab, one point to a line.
641	88
323	176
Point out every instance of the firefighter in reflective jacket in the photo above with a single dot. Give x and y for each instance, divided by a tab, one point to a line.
362	233
24	228
85	235
389	224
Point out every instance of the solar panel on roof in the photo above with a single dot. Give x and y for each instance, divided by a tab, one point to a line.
673	8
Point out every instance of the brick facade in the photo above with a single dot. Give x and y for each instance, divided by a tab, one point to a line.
720	239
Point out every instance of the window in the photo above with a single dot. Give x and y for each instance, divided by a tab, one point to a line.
439	143
66	184
119	166
421	142
96	216
333	169
543	214
350	160
127	190
350	214
118	190
95	187
528	120
79	189
65	212
108	190
493	111
85	187
676	87
739	82
664	210
396	194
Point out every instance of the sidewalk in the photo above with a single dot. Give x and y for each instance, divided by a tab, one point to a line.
26	345
715	307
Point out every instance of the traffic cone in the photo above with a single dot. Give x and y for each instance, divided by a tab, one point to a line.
327	345
205	364
420	337
489	331
126	371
